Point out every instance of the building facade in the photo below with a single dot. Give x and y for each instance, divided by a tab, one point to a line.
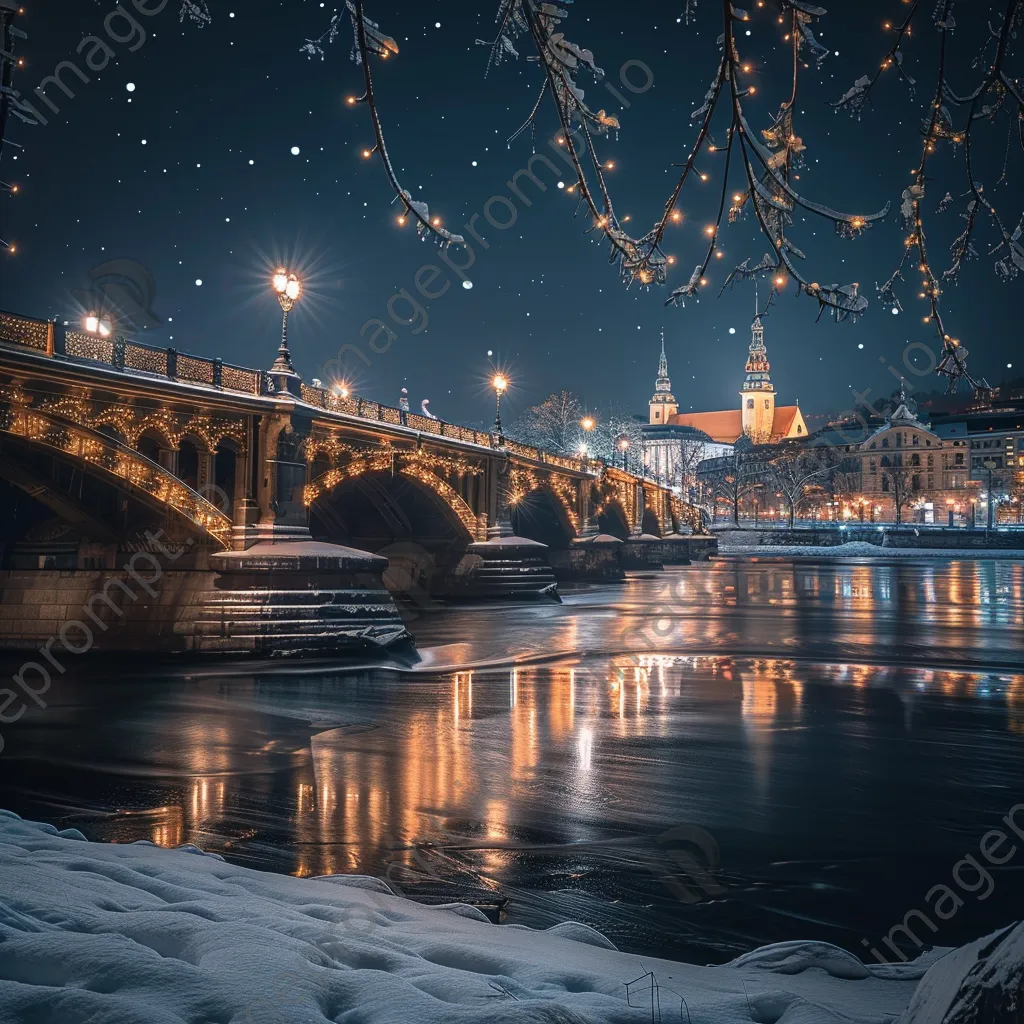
935	473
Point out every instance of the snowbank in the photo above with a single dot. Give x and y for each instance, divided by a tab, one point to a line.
857	549
139	935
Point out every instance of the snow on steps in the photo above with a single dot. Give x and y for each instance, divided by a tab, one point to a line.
132	934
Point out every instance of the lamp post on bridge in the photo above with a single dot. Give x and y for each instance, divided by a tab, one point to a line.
288	289
500	384
94	324
624	448
587	425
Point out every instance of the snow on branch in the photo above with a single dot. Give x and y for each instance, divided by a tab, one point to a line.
951	119
194	10
369	41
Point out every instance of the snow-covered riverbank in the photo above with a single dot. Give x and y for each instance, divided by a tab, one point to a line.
738	543
140	935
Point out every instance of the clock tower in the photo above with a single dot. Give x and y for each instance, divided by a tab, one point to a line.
758	394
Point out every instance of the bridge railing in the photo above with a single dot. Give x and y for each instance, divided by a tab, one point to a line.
48	338
365	409
53	339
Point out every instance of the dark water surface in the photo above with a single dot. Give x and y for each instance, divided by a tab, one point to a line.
695	762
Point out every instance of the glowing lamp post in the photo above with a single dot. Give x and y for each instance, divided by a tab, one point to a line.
990	464
500	384
587	424
95	325
624	448
288	289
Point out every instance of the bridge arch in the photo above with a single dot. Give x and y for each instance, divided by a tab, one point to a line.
650	523
370	505
613	519
101	455
227	473
190	456
109	430
544	507
541	514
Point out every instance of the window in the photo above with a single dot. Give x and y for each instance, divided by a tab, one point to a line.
885	462
750	403
799	429
915	459
885	442
885	483
915	482
766	403
917	439
931	461
958	459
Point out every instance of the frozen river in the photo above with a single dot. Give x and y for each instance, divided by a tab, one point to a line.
695	762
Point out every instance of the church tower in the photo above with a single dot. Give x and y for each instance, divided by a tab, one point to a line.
662	404
758	394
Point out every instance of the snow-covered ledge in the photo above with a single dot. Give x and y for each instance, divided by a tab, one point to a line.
139	935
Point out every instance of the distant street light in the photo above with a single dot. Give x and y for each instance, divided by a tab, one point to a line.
624	448
500	384
990	464
288	289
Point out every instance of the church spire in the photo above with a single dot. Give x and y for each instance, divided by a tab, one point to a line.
663	386
758	370
663	403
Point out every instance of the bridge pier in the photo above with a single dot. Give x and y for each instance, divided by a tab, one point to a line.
592	555
278	590
297	595
507	566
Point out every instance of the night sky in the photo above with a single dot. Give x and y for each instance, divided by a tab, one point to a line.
179	156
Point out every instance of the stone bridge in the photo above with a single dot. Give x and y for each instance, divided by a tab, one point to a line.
282	503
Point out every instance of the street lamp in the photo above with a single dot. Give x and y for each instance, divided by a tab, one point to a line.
587	424
500	384
624	448
989	464
288	289
95	325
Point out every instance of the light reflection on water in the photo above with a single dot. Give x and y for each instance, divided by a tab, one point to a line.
837	788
